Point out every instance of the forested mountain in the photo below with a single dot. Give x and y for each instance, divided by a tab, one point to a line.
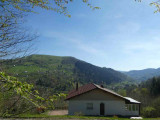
60	73
53	74
142	75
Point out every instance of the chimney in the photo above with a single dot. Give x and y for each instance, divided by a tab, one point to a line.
76	86
102	86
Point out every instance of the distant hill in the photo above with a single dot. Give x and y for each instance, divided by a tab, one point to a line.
142	75
60	73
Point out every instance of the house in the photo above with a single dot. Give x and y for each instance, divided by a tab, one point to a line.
93	99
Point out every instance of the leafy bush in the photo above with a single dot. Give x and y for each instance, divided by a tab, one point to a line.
17	97
156	105
149	112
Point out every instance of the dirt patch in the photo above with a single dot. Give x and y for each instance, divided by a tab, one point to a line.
58	112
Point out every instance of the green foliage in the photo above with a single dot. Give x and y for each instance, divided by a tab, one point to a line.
23	89
19	97
59	74
157	5
154	3
156	105
12	34
122	92
153	85
149	112
57	101
59	6
18	91
148	94
73	117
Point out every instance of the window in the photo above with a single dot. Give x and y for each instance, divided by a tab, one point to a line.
136	107
89	106
130	107
127	107
133	107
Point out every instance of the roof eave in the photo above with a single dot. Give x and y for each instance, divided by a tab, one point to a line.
78	95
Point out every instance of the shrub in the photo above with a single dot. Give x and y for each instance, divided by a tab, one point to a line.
149	111
156	105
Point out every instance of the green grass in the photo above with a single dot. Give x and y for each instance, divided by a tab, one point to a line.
58	72
76	117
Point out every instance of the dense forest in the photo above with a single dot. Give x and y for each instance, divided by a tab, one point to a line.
57	74
148	93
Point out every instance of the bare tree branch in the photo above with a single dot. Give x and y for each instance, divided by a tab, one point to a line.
14	38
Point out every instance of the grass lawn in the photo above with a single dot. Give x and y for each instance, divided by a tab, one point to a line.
68	117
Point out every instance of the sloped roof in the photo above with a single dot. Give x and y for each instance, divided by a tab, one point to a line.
91	86
131	100
107	90
81	90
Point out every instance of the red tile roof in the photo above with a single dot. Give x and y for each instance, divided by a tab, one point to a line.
81	90
91	86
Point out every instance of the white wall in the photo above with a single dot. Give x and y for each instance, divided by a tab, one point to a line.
113	105
111	108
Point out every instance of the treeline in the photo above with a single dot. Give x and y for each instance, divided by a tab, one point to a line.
153	85
57	74
152	108
148	93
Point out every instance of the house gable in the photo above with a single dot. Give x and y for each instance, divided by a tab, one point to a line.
97	94
88	100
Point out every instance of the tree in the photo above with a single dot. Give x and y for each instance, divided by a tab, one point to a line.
10	87
154	3
12	35
27	5
59	6
157	5
14	38
19	97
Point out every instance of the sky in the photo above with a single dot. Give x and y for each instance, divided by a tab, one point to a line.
123	34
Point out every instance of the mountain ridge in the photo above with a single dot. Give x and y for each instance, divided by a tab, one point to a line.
144	74
60	73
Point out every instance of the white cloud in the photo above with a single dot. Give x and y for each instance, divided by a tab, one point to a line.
129	28
126	48
75	41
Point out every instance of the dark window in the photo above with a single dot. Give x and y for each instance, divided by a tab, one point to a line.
137	108
89	106
133	107
130	107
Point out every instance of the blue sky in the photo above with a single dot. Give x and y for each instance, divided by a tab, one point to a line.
123	35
